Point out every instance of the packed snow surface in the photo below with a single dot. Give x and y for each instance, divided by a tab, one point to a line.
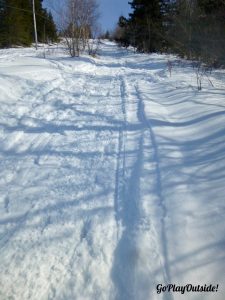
112	176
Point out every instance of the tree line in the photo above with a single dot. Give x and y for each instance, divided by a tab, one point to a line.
194	29
77	24
16	23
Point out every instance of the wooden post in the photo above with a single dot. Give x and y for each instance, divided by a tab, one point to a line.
35	26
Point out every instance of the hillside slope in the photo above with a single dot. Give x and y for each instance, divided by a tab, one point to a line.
111	177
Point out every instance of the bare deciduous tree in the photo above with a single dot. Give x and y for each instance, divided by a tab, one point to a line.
79	18
202	72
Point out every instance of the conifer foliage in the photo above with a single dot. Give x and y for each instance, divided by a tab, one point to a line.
192	28
144	28
147	24
16	23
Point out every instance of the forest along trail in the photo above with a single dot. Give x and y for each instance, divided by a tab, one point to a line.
107	173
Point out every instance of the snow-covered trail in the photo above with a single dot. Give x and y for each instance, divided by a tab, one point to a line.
112	177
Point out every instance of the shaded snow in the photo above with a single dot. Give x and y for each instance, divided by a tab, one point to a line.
111	176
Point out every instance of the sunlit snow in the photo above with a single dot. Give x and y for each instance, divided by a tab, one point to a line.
112	176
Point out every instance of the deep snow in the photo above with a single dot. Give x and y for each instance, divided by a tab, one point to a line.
112	176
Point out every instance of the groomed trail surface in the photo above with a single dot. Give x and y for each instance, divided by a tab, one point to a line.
112	176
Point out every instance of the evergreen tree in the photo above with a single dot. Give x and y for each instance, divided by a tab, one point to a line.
123	33
50	28
3	23
192	28
211	21
46	28
147	24
144	28
16	23
197	30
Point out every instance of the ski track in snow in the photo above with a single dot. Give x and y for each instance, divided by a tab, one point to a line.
111	176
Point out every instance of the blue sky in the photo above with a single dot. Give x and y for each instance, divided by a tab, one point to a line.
110	10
